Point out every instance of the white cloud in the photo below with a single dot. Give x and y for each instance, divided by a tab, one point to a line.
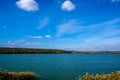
109	29
39	37
15	43
69	27
115	47
44	22
21	40
103	29
102	35
35	37
68	6
104	44
33	43
28	5
23	43
48	36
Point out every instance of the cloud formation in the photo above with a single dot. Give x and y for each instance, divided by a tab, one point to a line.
68	6
40	37
24	43
35	37
33	43
99	36
48	36
115	47
15	43
28	5
107	28
68	27
44	22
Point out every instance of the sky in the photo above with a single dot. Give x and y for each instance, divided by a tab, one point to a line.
84	25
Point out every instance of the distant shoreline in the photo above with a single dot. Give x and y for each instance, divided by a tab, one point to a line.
6	50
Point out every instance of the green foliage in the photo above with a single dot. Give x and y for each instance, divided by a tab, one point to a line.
112	76
50	51
17	76
29	51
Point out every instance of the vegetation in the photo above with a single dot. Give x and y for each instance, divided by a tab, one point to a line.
29	51
50	51
33	76
97	52
112	76
18	76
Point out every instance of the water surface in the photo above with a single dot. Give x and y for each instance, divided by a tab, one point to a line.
61	66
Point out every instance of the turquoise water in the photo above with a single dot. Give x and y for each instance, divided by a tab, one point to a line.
61	66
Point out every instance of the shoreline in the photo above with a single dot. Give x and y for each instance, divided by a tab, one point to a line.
50	51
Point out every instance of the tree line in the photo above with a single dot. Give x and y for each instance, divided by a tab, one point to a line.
4	50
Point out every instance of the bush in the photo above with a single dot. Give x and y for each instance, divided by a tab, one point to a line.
112	76
17	76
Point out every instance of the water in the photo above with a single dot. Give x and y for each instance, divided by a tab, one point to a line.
61	66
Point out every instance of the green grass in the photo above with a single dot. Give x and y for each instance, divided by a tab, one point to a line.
112	76
18	76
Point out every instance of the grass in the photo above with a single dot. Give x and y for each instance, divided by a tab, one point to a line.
112	76
32	76
18	76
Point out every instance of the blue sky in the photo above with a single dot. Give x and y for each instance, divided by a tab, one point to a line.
61	24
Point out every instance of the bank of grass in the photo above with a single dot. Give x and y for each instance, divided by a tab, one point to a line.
18	76
32	76
112	76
